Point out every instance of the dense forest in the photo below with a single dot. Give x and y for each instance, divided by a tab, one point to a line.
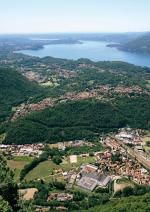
128	204
14	89
80	119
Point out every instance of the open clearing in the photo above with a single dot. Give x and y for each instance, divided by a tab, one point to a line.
120	184
28	194
45	169
23	158
17	164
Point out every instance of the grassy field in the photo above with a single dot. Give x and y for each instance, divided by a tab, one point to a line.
47	168
23	158
124	181
89	159
42	170
17	174
17	164
58	177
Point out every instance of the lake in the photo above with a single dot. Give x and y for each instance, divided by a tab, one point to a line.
94	50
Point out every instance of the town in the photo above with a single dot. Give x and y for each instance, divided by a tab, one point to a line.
122	163
123	156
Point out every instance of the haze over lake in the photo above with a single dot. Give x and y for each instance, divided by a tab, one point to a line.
94	50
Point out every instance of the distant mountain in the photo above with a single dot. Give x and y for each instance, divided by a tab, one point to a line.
14	89
108	37
140	44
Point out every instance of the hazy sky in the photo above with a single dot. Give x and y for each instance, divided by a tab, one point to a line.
19	16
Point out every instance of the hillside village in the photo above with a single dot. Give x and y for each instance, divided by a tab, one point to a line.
123	159
123	156
105	170
100	93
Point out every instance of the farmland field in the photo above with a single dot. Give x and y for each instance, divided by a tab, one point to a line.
17	164
46	168
23	158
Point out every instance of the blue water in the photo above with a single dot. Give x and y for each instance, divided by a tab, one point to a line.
94	50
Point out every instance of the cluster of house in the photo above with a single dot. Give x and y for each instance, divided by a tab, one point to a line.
115	161
128	90
70	178
84	65
124	165
99	92
94	93
34	150
79	143
62	197
24	109
91	66
129	136
78	96
75	143
64	73
33	76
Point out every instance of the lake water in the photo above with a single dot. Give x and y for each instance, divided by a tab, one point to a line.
94	50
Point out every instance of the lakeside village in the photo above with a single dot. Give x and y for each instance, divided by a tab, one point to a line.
123	156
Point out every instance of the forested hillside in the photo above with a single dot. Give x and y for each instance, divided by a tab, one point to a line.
129	204
80	119
14	89
117	96
140	45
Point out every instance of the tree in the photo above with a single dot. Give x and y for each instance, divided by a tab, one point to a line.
9	197
57	159
8	188
4	205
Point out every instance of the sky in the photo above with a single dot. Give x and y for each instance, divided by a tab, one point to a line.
51	16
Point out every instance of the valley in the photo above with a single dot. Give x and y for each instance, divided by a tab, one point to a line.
75	132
